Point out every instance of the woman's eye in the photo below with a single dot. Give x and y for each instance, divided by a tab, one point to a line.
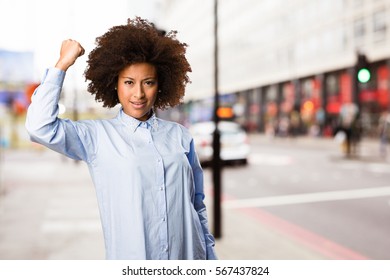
150	83
128	82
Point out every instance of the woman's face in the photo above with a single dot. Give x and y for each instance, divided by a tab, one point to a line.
137	89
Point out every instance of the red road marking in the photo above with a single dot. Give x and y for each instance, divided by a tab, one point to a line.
316	242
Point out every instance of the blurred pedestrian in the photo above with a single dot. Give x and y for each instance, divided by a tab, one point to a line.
295	123
356	135
146	173
384	133
348	119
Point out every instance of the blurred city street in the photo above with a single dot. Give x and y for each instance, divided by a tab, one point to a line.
294	79
296	199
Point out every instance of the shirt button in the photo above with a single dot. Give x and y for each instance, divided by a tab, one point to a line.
161	188
163	219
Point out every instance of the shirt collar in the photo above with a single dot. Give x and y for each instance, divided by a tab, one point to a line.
133	123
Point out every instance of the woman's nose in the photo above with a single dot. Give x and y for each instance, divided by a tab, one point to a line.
138	92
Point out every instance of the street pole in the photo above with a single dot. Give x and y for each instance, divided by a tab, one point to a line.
216	137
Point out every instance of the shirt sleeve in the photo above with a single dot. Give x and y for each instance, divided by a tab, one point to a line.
199	205
73	139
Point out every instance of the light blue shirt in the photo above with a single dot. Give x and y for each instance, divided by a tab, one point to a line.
148	180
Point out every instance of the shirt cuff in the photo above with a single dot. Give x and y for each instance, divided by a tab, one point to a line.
54	76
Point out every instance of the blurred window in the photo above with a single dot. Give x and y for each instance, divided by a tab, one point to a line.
307	88
359	28
332	85
358	3
345	38
271	93
379	25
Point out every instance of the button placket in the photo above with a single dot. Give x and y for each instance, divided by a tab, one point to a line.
162	204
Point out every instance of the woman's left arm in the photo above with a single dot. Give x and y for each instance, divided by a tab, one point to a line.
199	205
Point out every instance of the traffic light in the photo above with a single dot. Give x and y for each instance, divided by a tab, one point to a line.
363	75
363	71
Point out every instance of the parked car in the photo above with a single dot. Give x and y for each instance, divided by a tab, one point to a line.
234	142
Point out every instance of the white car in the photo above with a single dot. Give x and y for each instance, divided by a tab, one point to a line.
234	141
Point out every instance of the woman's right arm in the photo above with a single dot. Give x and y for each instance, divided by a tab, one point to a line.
73	139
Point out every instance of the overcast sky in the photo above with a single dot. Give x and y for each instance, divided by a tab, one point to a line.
41	25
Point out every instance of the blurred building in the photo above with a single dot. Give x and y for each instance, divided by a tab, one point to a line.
287	63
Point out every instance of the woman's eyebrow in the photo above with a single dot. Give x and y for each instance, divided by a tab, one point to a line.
146	78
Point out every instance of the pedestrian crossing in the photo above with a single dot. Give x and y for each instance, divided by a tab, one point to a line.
308	198
270	159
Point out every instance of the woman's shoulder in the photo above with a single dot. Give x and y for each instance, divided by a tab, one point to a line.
172	127
98	124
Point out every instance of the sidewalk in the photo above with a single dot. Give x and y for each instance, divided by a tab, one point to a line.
48	210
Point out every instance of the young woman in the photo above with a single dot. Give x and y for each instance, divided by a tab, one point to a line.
147	176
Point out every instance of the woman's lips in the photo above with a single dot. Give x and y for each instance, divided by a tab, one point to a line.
138	105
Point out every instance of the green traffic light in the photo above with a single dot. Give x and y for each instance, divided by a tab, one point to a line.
364	75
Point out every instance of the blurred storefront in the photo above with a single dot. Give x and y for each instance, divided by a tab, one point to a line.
293	66
311	105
